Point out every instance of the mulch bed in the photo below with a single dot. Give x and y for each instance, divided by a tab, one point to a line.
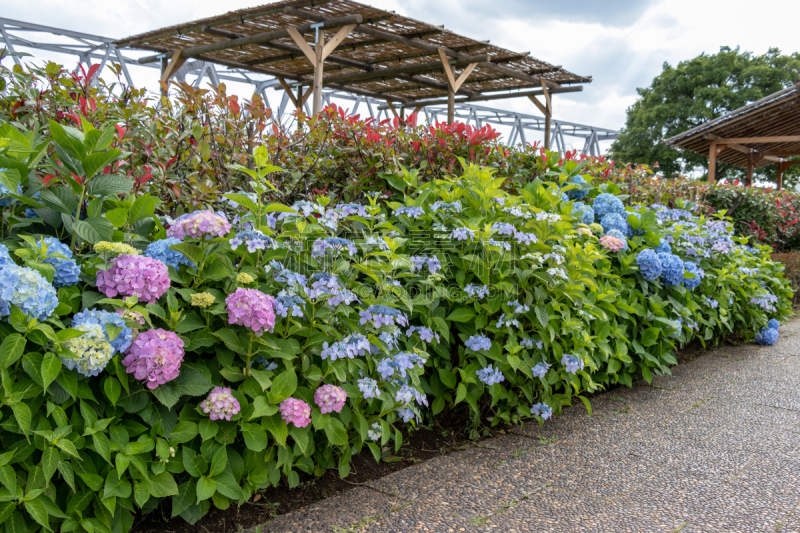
444	436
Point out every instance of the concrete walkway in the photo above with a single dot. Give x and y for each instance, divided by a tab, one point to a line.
715	447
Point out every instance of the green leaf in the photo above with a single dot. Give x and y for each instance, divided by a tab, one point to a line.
37	510
183	432
541	314
117	216
219	462
192	252
51	366
277	427
50	460
261	407
255	438
283	386
650	336
11	350
242	200
9	478
94	230
461	314
140	493
461	392
23	415
6	508
336	433
447	377
143	208
190	463
162	485
279	208
206	488
112	389
116	487
227	486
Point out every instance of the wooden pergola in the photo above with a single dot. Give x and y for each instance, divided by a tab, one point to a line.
348	46
762	133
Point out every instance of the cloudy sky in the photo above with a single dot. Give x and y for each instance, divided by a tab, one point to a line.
622	44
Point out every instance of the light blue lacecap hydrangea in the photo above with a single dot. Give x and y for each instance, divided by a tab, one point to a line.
27	289
543	410
577	194
584	213
767	337
161	251
490	375
619	235
478	342
773	324
121	342
663	248
671	269
699	274
92	351
605	204
615	221
67	270
649	264
540	370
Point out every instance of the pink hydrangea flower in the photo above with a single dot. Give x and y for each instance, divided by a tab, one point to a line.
200	224
612	243
294	411
330	398
134	275
155	357
220	404
251	308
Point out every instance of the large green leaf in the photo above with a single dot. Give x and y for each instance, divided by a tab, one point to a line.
11	350
461	314
192	252
94	229
277	427
162	485
282	387
143	207
94	163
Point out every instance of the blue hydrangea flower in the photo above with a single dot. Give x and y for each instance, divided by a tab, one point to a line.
699	273
383	315
349	347
584	213
349	210
334	244
410	211
767	337
619	235
5	257
605	204
529	343
572	363
401	362
265	365
649	264
425	334
92	351
407	414
671	269
615	221
161	251
121	342
766	301
491	375
254	240
455	206
577	194
29	212
286	302
67	270
462	234
540	370
27	289
478	342
773	324
368	387
476	291
525	238
419	261
503	228
543	410
663	247
375	433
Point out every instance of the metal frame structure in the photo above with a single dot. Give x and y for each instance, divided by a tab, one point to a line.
17	35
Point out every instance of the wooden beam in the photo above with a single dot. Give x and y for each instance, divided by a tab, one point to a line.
172	67
484	98
712	163
289	92
259	38
538	104
319	48
447	70
337	39
422	45
741	148
392	108
390	72
755	140
304	46
464	75
749	178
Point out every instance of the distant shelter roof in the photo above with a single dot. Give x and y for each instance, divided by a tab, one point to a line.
369	52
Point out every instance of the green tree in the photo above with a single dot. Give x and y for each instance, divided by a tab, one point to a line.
694	92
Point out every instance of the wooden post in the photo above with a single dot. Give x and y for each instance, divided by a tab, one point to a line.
548	115
320	46
451	105
169	69
712	163
749	179
782	166
453	84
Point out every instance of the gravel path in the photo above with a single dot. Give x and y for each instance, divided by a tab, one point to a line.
713	448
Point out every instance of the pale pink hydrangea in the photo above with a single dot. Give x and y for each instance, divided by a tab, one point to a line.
220	404
612	243
200	224
155	357
131	275
251	308
330	398
294	411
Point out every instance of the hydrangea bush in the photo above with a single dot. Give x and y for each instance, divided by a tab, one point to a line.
299	335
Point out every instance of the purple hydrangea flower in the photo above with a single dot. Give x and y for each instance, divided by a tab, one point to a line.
382	315
418	262
425	334
572	363
540	370
478	342
220	404
251	308
198	225
254	240
503	228
462	234
330	398
410	211
294	411
368	387
334	245
137	275
155	357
